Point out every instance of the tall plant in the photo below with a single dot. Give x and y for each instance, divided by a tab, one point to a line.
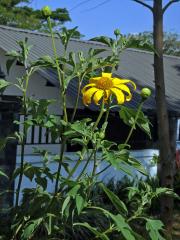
67	212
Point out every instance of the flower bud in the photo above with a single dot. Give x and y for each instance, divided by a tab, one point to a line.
101	135
145	93
46	11
117	32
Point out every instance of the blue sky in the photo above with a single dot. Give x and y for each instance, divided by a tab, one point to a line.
126	15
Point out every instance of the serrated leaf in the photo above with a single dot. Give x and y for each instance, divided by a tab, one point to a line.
4	84
153	227
123	227
128	116
118	204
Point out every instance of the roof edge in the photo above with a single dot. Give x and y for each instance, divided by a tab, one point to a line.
79	40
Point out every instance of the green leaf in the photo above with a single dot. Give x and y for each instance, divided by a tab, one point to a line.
128	116
74	191
132	191
3	174
45	61
78	141
65	204
30	228
118	204
93	52
119	160
9	64
153	227
3	85
98	235
137	165
42	181
80	203
13	53
123	227
105	40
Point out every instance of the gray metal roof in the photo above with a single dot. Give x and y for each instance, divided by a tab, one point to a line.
134	64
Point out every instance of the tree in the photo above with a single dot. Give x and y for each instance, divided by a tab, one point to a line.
166	154
17	13
171	42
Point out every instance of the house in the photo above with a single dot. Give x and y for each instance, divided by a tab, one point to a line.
136	65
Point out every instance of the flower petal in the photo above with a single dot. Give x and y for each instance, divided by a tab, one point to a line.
87	95
87	86
125	89
106	75
98	95
117	81
119	95
107	94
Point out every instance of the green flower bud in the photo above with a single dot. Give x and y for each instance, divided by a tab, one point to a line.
145	93
46	11
117	32
101	135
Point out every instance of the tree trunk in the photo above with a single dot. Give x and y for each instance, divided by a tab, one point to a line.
166	158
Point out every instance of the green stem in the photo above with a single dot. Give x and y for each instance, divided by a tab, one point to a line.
128	137
85	147
21	169
60	77
134	123
108	166
95	164
93	152
60	165
63	97
85	166
23	141
77	100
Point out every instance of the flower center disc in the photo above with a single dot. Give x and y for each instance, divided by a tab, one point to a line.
104	83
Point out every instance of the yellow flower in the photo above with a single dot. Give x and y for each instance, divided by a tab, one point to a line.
104	87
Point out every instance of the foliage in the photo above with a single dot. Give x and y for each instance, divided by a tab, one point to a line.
19	14
70	211
144	41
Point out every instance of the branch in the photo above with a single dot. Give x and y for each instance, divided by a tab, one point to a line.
145	4
169	4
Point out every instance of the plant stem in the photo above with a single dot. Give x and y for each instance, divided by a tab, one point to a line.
85	147
63	97
108	166
129	135
77	100
95	164
22	143
60	165
134	123
60	77
85	166
21	169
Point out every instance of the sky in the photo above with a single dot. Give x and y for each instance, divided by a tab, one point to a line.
101	17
